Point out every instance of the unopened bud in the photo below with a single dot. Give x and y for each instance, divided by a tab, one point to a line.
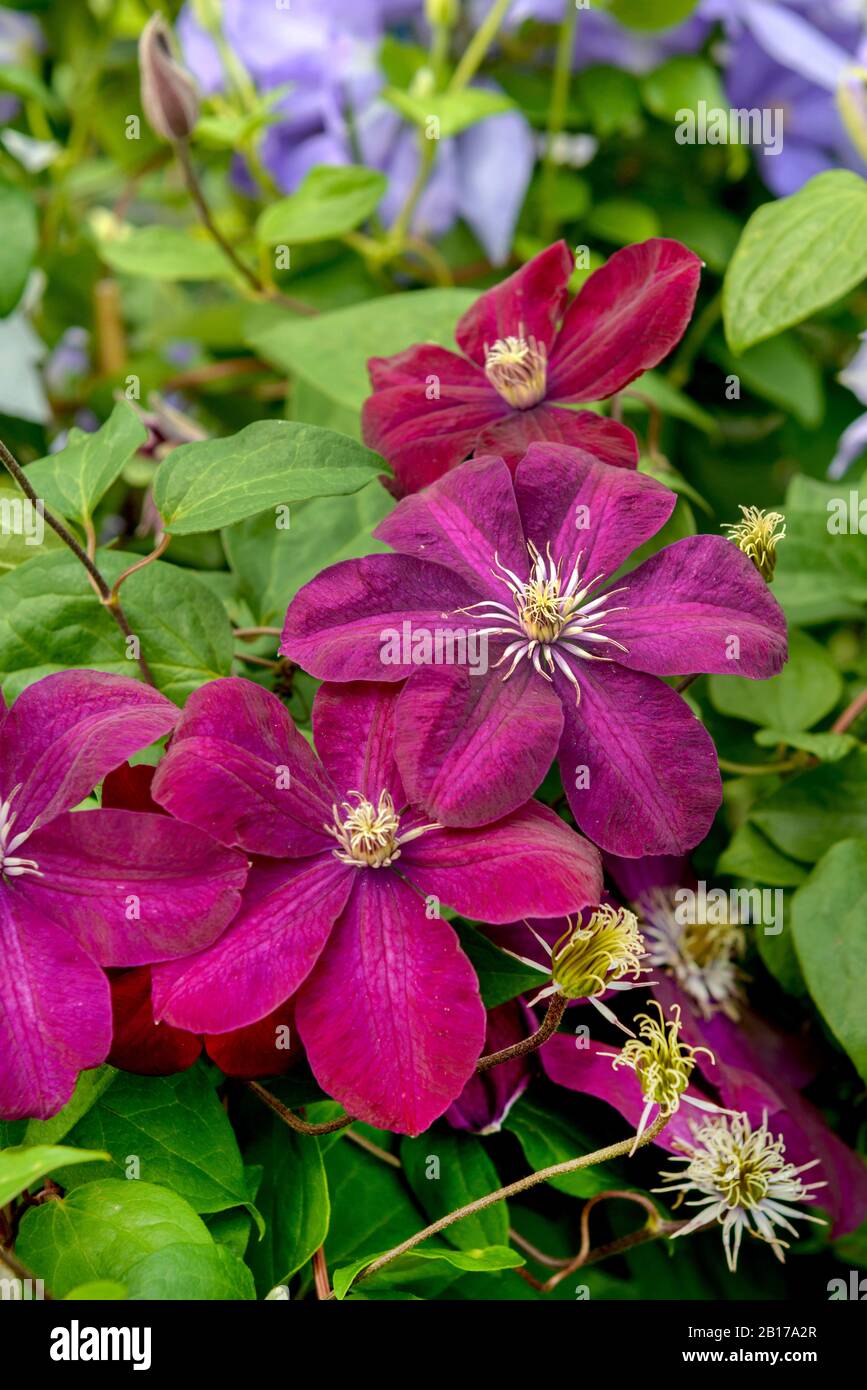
168	92
441	12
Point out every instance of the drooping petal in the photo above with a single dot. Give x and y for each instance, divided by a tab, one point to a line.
238	768
139	1044
530	864
699	605
427	409
354	727
472	749
133	888
583	507
343	624
66	731
487	1098
391	1017
463	522
528	304
271	946
266	1048
55	1012
639	770
627	316
607	440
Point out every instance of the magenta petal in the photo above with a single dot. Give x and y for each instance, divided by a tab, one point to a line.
699	605
585	508
355	727
133	887
462	522
55	1012
531	864
486	1100
589	1071
627	316
65	732
238	768
272	945
528	304
391	1017
338	625
607	440
428	406
626	789
463	746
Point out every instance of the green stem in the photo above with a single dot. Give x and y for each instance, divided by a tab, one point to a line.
476	49
557	113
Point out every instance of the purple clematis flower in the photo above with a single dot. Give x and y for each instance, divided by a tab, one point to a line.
528	355
387	1005
89	889
487	1098
852	444
525	569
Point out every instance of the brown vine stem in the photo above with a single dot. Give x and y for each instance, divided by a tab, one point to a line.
99	583
257	632
320	1274
550	1024
621	1149
155	554
851	713
291	1119
651	1228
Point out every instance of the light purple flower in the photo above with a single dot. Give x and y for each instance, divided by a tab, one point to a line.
89	889
574	655
852	443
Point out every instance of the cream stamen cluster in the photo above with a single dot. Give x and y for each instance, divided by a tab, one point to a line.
587	961
517	369
11	866
367	835
701	956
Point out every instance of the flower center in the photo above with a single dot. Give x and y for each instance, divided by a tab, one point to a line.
11	866
367	835
758	536
701	956
549	616
517	370
662	1063
586	960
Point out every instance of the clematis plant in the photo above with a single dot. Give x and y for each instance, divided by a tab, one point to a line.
88	889
527	567
528	355
342	905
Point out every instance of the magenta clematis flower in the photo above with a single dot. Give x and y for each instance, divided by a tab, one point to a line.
487	1098
527	357
89	889
342	908
524	568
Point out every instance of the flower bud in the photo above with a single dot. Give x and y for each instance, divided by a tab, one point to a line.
441	12
168	92
757	536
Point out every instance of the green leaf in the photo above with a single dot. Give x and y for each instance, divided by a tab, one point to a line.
711	233
501	977
622	220
828	748
190	1273
462	1171
97	1291
454	111
178	1131
679	85
610	97
102	1230
782	372
661	14
23	1167
164	253
293	1199
329	202
50	620
796	255
88	1089
272	563
203	486
548	1138
829	921
74	480
751	857
493	1258
817	808
20	527
822	567
808	686
331	351
18	246
371	1209
669	401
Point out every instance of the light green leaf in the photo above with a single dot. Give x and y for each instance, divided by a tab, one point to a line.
454	111
814	810
197	1273
96	1291
272	563
622	221
331	351
711	233
822	569
661	14
796	255
74	480
20	527
782	372
808	686
828	748
404	1268
679	85
88	1089
18	245
463	1172
50	620
329	202
293	1199
203	486
751	857
829	921
668	400
165	253
23	1167
179	1133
